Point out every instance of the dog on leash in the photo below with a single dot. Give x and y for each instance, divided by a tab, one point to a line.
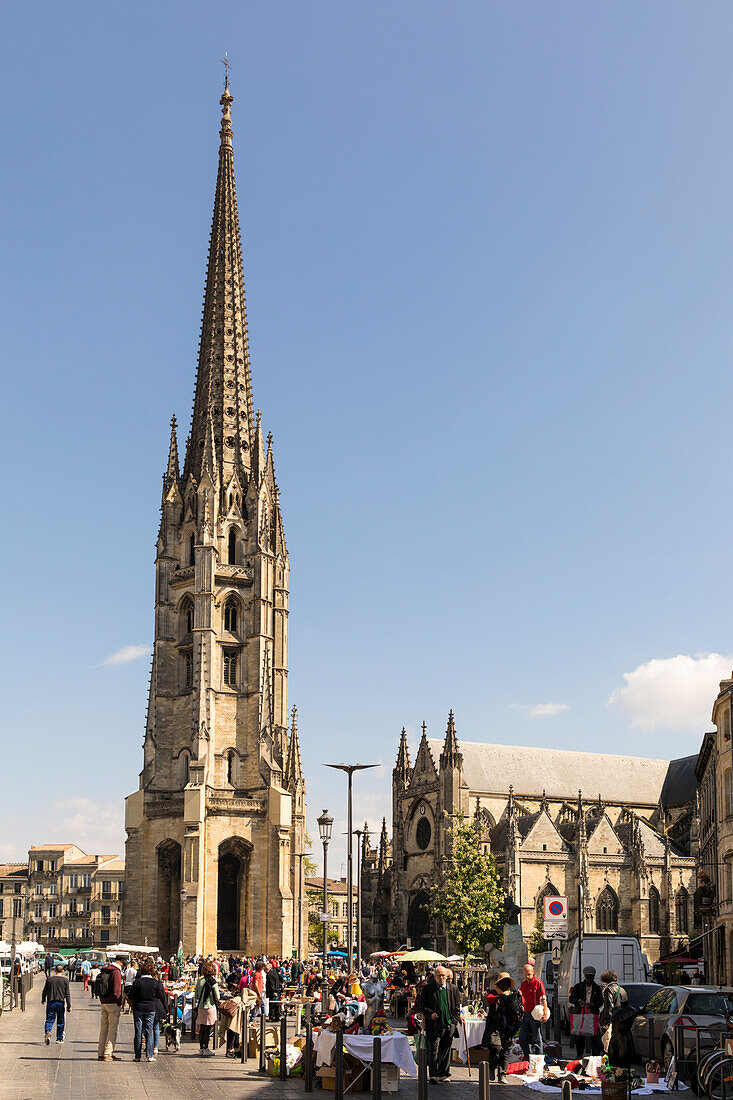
172	1037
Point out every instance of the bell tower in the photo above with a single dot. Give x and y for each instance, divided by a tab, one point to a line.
220	809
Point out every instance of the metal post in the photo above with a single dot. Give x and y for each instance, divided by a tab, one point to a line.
422	1071
349	881
308	1054
324	984
580	934
679	1051
567	1091
283	1047
262	1042
360	859
244	1035
338	1062
377	1068
300	909
484	1087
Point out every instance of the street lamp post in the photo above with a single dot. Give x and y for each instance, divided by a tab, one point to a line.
360	860
350	769
300	857
325	824
184	895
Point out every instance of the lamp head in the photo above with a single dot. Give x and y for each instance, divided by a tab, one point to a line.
325	824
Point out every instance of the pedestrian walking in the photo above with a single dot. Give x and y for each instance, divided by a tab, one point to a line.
273	987
586	1001
504	1012
613	996
441	1009
206	999
534	1003
130	975
109	988
145	991
56	996
93	975
86	969
48	964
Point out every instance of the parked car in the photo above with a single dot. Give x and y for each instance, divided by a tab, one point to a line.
690	1007
638	993
620	953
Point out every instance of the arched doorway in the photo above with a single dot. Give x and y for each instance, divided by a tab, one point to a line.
232	894
418	920
169	897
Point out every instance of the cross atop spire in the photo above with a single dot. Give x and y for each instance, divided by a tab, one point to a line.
223	378
227	65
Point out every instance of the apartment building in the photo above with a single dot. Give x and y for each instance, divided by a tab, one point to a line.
73	898
13	901
338	907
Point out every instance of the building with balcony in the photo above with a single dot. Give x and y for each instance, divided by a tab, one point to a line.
13	901
338	909
73	898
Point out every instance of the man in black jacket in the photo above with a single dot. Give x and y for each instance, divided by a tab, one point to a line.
56	996
441	1007
273	986
587	998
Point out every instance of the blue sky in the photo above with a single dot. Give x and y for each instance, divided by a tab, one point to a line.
488	260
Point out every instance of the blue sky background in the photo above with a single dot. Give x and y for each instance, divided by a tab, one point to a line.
489	271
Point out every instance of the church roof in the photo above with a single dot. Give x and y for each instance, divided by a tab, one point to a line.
490	769
680	783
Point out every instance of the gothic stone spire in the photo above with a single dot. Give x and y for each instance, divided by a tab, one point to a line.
402	770
293	766
451	757
223	380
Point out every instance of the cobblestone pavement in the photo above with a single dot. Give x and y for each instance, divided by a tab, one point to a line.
29	1070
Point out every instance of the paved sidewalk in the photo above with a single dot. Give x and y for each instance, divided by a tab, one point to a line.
29	1070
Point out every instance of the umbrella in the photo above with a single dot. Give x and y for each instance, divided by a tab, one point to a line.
422	956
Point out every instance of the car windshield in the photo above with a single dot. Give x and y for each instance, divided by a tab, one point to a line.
638	995
709	1004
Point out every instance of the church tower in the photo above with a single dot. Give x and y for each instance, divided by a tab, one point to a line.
220	810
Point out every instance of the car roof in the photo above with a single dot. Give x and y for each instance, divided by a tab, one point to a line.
700	988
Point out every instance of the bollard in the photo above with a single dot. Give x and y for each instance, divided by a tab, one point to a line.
283	1048
339	1066
244	1035
377	1068
567	1091
422	1070
679	1052
263	1063
308	1055
484	1087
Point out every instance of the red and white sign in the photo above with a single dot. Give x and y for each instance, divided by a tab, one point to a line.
556	909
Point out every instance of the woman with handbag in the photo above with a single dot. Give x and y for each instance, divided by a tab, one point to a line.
504	1012
206	998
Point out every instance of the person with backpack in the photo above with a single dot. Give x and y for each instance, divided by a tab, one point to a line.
206	999
613	996
109	991
93	975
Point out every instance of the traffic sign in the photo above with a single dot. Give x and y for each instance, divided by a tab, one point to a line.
556	908
556	934
556	951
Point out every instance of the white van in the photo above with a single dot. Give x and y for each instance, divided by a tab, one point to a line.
605	952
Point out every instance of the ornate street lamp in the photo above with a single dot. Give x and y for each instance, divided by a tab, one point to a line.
325	825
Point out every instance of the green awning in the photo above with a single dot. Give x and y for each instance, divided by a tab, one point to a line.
66	952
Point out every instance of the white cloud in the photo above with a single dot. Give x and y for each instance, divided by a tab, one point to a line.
540	710
125	654
672	692
96	827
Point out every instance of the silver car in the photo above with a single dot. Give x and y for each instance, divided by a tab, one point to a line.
688	1006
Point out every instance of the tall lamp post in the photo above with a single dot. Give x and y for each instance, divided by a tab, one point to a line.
350	769
300	856
360	860
325	824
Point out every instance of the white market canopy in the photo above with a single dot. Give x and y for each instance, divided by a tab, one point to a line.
130	949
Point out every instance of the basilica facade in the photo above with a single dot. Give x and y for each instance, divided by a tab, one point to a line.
220	808
624	828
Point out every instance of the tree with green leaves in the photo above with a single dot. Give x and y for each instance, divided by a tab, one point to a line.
470	900
537	941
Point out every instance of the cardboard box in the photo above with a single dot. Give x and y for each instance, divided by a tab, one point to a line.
328	1078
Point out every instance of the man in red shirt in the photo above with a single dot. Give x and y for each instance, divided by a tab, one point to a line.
530	1030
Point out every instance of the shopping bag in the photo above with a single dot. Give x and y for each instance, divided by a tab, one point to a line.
583	1023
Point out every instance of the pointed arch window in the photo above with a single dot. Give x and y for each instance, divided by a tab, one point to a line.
188	671
654	910
231	657
192	548
681	910
231	610
232	549
186	617
184	767
607	911
231	764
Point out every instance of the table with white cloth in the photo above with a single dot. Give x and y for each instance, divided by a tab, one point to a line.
474	1032
395	1049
